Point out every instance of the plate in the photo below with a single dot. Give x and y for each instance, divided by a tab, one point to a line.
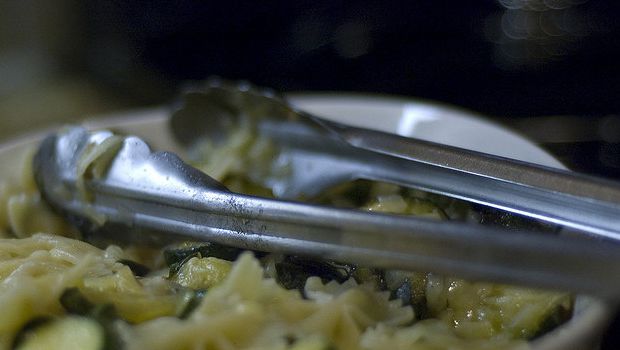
422	119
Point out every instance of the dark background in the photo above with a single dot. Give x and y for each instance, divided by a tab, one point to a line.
548	68
511	59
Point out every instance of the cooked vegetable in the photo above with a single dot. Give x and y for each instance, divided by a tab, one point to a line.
176	256
66	333
76	303
202	273
193	299
367	275
135	267
313	343
103	314
483	310
292	271
28	328
403	292
410	287
559	315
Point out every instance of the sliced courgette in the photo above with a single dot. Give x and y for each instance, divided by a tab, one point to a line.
135	267
71	332
410	287
104	315
202	273
312	343
176	256
292	272
560	314
193	299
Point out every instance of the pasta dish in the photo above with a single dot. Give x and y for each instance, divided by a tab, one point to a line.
58	291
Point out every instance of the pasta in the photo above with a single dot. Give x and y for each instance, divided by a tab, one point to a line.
57	291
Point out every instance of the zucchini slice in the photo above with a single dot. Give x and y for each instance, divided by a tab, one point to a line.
77	305
193	299
138	269
293	271
178	255
72	332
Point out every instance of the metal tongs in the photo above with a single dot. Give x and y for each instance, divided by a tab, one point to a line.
125	187
323	153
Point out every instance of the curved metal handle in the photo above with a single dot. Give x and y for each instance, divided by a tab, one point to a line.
157	191
586	203
583	202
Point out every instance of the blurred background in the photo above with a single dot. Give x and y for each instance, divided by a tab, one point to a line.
548	68
523	62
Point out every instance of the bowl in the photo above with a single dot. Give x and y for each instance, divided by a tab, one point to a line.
422	119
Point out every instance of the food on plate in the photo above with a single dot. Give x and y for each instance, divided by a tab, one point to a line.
60	292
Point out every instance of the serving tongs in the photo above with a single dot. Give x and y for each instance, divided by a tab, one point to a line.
321	153
124	189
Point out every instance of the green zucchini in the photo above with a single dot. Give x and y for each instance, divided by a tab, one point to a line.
404	293
559	315
71	332
311	343
410	287
135	267
363	275
176	256
193	299
75	303
351	194
202	273
292	271
28	328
